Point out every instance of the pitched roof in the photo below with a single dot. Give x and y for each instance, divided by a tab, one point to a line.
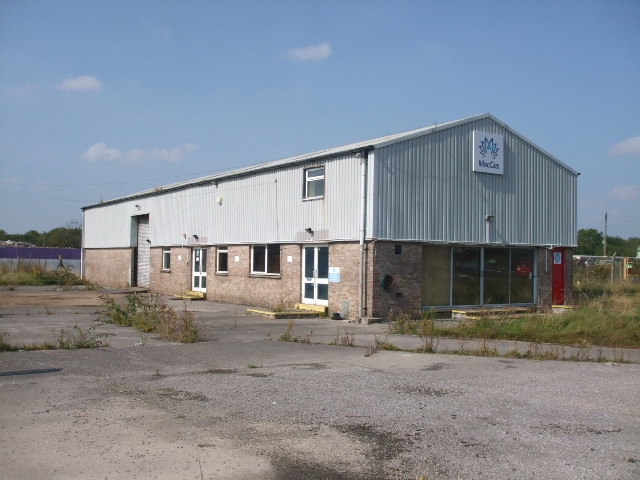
330	152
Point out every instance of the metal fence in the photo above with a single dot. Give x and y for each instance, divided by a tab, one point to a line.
612	269
16	258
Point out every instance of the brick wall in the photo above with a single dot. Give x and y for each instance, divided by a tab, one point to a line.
175	281
405	268
346	256
240	287
108	267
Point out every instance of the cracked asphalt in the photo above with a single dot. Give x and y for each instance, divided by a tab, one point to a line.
242	405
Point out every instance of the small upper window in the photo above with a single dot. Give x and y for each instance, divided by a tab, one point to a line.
166	258
314	182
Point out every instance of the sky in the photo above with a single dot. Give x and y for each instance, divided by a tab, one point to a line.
101	99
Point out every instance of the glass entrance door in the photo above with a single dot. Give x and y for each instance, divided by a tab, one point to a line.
315	276
199	283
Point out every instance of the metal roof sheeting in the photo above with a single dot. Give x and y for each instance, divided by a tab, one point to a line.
421	187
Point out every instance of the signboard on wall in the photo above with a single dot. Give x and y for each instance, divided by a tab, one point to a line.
488	153
334	274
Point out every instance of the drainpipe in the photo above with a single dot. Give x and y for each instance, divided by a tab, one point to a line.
82	249
363	225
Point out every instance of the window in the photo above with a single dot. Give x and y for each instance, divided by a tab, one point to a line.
166	258
314	182
265	259
223	259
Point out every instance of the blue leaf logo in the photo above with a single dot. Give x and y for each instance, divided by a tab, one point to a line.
489	147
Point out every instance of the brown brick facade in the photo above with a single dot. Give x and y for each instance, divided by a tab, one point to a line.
109	267
177	279
404	265
402	261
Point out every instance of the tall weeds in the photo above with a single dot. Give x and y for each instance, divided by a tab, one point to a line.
150	314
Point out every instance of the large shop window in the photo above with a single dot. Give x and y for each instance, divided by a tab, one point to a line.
454	276
265	259
314	182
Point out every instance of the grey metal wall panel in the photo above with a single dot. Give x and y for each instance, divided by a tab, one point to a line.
426	191
266	207
420	186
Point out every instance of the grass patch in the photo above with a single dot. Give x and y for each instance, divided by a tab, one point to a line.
150	314
38	276
604	315
63	340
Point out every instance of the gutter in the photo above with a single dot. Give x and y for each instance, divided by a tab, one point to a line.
363	228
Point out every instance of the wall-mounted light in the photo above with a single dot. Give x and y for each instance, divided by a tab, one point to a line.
195	237
488	219
309	230
137	206
148	241
219	200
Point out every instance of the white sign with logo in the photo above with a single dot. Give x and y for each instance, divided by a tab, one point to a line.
488	153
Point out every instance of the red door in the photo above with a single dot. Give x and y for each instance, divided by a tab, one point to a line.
557	277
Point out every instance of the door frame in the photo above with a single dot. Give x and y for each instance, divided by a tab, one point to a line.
315	280
199	261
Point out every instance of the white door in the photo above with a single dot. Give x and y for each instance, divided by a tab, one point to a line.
199	283
315	276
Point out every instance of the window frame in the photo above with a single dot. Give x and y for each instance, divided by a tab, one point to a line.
315	178
222	250
166	259
271	253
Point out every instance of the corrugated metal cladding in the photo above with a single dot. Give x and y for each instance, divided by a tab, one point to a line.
265	207
144	252
425	190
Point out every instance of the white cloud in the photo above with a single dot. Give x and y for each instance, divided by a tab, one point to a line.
100	152
80	83
629	146
318	52
20	91
624	192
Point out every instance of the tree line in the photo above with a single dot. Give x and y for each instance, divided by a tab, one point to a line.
62	237
591	242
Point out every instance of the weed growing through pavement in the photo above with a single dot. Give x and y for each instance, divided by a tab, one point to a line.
346	340
149	313
288	335
64	340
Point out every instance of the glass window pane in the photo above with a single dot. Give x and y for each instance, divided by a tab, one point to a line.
196	261
309	261
466	276
273	259
323	291
203	282
204	260
259	258
496	276
315	188
323	262
522	275
223	261
315	172
308	290
436	275
196	282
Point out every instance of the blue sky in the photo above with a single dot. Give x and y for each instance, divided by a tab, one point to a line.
99	99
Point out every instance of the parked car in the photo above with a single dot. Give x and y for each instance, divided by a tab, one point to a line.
524	268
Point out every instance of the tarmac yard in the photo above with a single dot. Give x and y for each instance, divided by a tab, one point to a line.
242	405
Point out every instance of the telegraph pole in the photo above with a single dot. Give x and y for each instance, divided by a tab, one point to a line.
605	234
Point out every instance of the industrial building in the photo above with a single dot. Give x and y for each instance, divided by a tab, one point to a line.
463	214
